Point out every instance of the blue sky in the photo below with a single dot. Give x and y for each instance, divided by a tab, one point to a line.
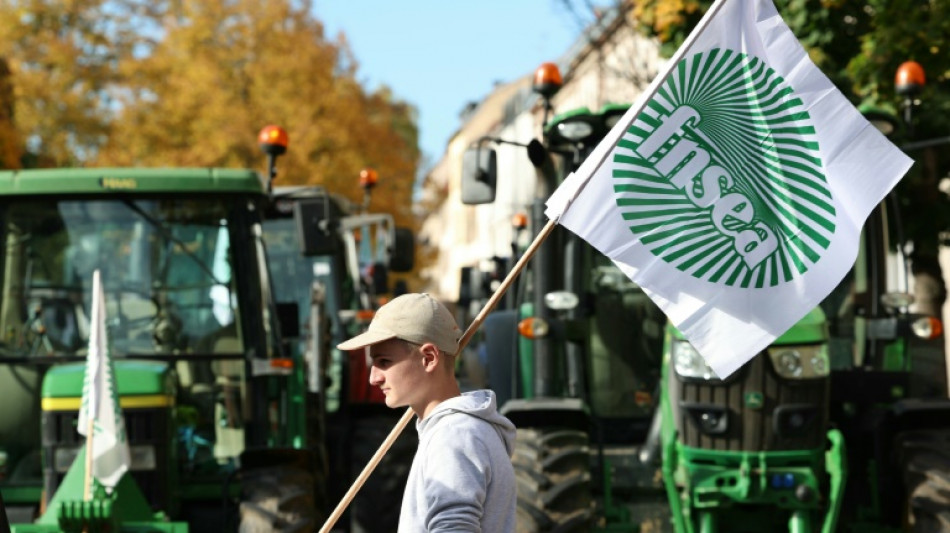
441	54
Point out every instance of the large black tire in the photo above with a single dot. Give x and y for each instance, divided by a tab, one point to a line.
278	499
375	509
552	468
925	460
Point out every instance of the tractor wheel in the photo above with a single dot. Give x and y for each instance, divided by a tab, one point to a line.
376	506
277	499
925	460
552	468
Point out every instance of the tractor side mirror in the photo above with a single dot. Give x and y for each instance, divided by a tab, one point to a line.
479	172
315	226
403	256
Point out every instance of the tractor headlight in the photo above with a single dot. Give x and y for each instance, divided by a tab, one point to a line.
800	362
575	130
788	363
688	363
561	300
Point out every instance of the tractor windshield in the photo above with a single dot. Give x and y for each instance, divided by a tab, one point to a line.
293	273
165	267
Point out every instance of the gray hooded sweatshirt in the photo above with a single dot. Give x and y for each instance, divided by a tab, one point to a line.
461	477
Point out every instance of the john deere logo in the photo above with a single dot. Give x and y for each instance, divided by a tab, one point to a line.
720	175
118	183
754	400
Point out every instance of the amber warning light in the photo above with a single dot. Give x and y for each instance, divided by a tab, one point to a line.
910	78
547	79
273	140
368	178
519	221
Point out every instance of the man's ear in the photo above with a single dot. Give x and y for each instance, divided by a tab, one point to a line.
431	356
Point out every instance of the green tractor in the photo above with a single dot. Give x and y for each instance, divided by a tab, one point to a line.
320	240
216	407
574	358
842	424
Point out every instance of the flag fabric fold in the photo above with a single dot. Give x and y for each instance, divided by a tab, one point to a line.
100	401
734	190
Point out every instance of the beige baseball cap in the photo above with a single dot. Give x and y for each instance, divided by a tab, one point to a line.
414	317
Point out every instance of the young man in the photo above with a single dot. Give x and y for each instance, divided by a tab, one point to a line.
461	478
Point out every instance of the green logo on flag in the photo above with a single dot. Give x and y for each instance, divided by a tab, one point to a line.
720	174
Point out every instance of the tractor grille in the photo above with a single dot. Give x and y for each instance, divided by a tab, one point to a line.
146	428
753	410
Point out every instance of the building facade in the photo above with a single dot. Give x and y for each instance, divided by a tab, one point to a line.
610	63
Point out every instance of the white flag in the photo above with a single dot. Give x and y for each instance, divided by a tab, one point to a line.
100	401
734	190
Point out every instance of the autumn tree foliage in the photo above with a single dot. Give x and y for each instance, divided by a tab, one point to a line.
62	56
9	140
191	82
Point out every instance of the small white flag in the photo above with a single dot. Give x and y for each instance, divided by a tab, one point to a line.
100	401
734	190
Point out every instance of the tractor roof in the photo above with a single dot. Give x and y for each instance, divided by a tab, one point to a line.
130	180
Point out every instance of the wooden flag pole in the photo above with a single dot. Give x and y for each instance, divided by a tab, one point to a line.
463	341
87	475
90	400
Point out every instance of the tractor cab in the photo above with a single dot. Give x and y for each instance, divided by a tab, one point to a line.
192	329
334	260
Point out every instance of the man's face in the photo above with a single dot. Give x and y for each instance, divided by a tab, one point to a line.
398	370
